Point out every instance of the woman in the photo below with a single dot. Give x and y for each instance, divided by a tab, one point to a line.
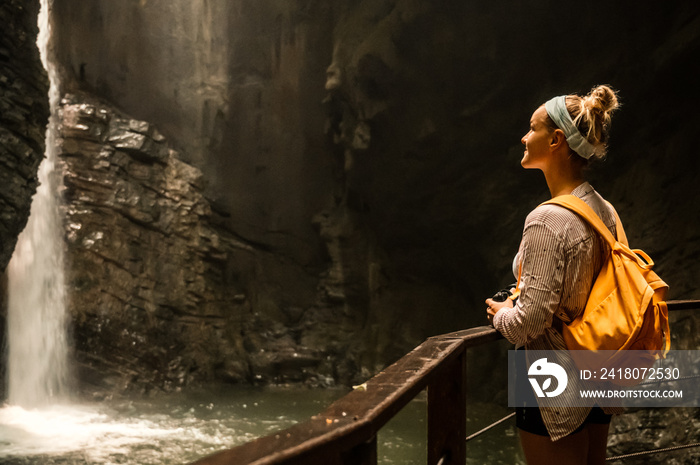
559	257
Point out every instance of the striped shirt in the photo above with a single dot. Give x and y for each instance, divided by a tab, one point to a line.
560	255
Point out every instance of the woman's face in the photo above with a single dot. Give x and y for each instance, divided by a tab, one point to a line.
537	141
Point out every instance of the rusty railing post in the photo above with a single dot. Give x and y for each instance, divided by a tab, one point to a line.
447	413
362	454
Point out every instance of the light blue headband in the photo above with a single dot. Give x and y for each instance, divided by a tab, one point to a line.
556	109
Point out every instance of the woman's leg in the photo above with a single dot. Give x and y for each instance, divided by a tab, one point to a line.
541	450
597	443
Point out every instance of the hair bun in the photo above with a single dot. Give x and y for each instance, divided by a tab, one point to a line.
592	115
601	99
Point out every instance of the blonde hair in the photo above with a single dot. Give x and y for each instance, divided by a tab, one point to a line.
592	115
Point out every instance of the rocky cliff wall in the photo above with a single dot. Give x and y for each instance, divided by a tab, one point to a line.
236	86
24	112
154	300
367	154
161	293
136	219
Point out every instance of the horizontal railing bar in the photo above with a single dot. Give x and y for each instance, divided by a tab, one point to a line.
683	304
357	417
473	336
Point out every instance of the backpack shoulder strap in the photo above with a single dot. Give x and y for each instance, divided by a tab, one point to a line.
621	236
578	206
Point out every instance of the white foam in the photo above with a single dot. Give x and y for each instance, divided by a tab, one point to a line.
61	429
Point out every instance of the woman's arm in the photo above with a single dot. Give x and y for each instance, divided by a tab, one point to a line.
543	266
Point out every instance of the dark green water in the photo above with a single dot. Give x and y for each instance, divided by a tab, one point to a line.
180	428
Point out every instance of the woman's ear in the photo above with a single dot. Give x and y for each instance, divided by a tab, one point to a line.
557	139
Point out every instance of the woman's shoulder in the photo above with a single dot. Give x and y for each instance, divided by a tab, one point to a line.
558	216
550	215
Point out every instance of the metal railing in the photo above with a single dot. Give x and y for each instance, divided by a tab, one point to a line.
346	432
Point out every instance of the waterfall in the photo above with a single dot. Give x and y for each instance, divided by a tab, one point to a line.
36	321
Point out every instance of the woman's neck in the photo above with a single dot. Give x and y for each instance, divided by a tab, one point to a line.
563	187
563	178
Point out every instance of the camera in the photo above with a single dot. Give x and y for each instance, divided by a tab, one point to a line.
504	294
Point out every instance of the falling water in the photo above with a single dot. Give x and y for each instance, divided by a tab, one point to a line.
37	353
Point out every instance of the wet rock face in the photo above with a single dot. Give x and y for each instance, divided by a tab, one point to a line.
24	111
146	263
143	255
163	296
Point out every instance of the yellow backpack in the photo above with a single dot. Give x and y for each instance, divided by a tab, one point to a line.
626	308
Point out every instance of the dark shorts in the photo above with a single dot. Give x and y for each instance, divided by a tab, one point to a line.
530	419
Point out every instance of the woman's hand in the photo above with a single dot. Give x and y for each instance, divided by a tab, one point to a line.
494	307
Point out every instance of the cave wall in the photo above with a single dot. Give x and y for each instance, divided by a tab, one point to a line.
366	153
431	101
